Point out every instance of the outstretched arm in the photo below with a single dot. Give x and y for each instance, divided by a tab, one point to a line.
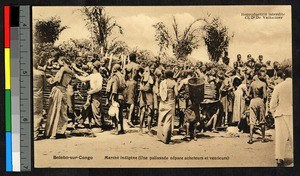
82	78
78	69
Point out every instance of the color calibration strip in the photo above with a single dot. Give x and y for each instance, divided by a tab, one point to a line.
15	86
8	135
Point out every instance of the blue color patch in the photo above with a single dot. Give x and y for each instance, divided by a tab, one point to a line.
8	151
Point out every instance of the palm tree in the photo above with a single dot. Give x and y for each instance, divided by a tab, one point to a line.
101	25
182	44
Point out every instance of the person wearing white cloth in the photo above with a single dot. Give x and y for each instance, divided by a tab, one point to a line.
281	107
93	108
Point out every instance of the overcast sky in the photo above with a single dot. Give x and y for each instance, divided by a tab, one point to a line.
269	37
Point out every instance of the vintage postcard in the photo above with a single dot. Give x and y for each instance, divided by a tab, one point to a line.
162	86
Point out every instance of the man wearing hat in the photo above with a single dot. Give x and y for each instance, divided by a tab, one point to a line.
92	109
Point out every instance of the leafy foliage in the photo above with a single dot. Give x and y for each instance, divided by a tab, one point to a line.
47	31
182	44
75	47
100	24
216	38
162	36
118	47
43	52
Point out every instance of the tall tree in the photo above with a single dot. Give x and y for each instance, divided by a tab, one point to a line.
216	38
47	31
100	24
182	43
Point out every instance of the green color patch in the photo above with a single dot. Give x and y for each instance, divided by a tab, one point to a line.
7	110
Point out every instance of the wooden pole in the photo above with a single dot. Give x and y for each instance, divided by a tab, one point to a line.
110	61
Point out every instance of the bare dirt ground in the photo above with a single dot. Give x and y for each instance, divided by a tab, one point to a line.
132	149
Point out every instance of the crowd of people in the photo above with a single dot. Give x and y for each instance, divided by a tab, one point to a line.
230	96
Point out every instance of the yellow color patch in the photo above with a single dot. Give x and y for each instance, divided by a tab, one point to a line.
7	67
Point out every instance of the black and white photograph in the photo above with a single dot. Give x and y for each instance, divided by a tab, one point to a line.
162	86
